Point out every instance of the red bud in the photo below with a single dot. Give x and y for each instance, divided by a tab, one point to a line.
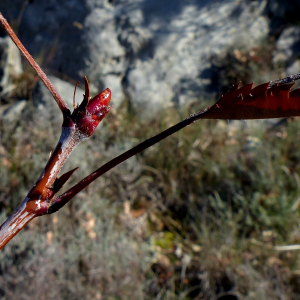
98	102
90	112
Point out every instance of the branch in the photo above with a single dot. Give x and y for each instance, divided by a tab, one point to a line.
60	102
269	100
288	79
76	128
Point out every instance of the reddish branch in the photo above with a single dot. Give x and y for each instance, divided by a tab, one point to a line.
269	100
262	102
76	127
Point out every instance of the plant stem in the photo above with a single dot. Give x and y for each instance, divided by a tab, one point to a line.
288	79
60	201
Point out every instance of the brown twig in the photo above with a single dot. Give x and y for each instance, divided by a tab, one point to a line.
60	102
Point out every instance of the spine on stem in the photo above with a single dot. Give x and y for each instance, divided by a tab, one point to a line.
78	126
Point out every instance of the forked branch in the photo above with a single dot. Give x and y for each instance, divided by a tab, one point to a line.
270	100
76	127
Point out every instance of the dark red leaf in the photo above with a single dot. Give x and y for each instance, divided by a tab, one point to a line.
261	102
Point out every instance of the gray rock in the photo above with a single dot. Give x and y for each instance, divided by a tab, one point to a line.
182	44
164	49
65	89
47	105
3	55
287	46
10	64
294	68
105	61
152	53
11	112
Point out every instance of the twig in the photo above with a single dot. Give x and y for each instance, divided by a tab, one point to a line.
268	100
288	79
60	201
76	128
238	103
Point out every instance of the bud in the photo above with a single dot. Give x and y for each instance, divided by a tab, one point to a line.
90	112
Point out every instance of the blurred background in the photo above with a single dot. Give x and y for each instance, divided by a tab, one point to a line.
212	212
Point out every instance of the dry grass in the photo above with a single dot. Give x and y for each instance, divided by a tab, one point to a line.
195	217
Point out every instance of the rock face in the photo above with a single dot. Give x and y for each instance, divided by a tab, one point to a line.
48	107
170	47
11	113
10	64
148	52
288	45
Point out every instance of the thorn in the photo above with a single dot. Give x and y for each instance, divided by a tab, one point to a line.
74	106
86	96
59	182
50	154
